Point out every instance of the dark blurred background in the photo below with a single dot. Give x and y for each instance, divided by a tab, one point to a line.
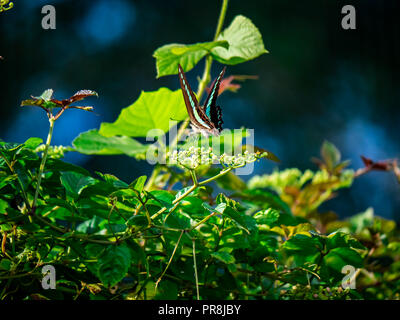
318	81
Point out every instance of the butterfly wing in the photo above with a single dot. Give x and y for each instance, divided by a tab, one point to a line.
212	111
196	115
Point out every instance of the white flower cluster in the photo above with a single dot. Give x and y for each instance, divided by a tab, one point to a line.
195	156
55	152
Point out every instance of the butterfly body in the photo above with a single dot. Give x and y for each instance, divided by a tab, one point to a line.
206	119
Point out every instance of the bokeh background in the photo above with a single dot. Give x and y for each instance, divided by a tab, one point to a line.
318	81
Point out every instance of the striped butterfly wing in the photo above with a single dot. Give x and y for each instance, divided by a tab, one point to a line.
196	115
212	111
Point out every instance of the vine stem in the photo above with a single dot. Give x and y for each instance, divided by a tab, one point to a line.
195	268
44	158
170	259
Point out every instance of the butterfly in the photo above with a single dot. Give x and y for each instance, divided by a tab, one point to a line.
206	119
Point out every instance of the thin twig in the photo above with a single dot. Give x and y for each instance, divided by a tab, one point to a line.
195	268
170	260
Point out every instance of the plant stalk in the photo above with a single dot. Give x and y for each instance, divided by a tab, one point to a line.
195	269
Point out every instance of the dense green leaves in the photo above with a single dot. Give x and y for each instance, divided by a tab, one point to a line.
126	236
169	56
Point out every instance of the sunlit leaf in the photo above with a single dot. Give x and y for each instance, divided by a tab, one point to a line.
169	56
74	182
223	256
138	183
245	42
152	110
92	142
33	143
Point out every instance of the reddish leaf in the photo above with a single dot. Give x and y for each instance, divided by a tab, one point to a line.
46	102
80	95
227	83
384	165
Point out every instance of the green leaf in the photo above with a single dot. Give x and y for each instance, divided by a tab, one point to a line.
138	183
302	248
302	243
46	95
362	220
5	264
3	205
44	100
169	56
113	264
153	110
182	191
265	199
161	197
90	226
167	290
33	143
267	217
220	208
138	222
74	182
223	256
243	221
337	258
92	142
245	42
340	239
330	154
113	180
57	165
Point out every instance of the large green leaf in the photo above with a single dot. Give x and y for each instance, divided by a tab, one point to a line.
153	110
113	264
231	210
92	142
245	42
33	143
340	239
169	56
74	182
337	258
167	290
138	183
302	248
